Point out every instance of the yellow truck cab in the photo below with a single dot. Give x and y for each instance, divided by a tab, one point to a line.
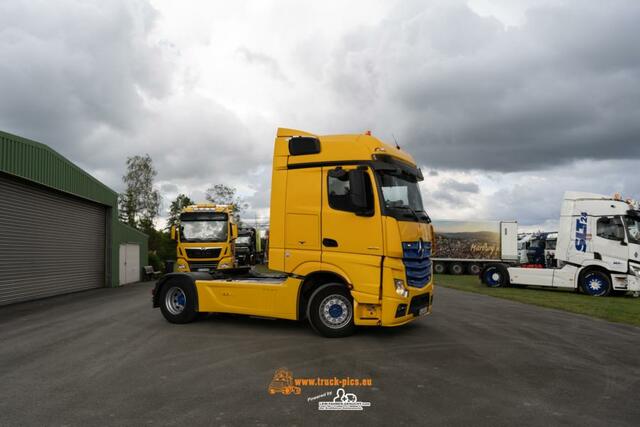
205	236
348	234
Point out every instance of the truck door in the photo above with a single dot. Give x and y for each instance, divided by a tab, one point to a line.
351	238
610	244
509	240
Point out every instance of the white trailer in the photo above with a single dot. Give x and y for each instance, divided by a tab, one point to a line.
467	246
597	251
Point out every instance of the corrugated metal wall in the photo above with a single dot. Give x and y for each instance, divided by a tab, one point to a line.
24	158
52	243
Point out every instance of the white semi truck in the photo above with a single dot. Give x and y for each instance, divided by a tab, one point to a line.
467	246
597	251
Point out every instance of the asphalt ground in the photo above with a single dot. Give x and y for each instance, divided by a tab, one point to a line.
106	357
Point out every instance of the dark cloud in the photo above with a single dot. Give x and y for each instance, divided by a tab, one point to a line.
69	68
462	187
87	79
468	93
528	105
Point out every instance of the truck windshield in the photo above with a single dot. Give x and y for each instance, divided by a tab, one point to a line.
243	240
633	229
401	196
535	244
203	231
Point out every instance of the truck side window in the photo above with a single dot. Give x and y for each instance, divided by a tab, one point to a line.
340	193
610	228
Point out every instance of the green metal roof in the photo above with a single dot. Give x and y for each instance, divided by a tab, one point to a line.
39	163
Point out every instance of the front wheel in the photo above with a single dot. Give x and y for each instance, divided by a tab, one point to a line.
330	311
495	276
178	302
595	283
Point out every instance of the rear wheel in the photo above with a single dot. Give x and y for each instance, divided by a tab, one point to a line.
495	276
474	268
456	268
439	268
178	302
330	311
595	283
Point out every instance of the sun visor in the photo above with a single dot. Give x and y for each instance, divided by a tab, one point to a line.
393	165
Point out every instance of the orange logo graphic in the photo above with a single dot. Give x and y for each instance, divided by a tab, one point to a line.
282	382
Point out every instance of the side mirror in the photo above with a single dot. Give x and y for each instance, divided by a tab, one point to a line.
358	194
173	232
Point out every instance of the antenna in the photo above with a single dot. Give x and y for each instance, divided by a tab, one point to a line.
396	141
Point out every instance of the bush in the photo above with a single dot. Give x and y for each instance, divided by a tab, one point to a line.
155	261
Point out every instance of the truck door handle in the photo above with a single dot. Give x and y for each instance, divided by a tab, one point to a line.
330	243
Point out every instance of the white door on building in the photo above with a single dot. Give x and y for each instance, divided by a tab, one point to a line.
129	263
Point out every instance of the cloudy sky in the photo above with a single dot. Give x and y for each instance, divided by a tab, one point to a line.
505	104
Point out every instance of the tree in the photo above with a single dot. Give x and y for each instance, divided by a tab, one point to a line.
176	206
221	194
139	203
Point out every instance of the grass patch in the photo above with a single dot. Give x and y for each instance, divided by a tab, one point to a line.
617	308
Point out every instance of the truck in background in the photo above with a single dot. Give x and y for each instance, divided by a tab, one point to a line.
205	237
348	234
524	241
464	247
597	251
248	246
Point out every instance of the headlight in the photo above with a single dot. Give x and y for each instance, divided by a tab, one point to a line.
223	265
634	269
182	266
400	289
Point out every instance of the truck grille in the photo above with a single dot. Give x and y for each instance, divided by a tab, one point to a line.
203	252
416	257
196	266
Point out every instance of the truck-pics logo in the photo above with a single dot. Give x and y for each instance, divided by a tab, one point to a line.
284	383
581	232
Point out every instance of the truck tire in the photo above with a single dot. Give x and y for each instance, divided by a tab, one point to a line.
456	268
330	311
474	268
439	268
595	283
495	276
178	302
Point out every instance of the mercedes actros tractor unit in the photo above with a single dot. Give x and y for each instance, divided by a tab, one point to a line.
348	234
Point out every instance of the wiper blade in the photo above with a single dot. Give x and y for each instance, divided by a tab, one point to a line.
410	209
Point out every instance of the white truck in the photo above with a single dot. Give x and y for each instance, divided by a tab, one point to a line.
524	240
467	246
597	251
